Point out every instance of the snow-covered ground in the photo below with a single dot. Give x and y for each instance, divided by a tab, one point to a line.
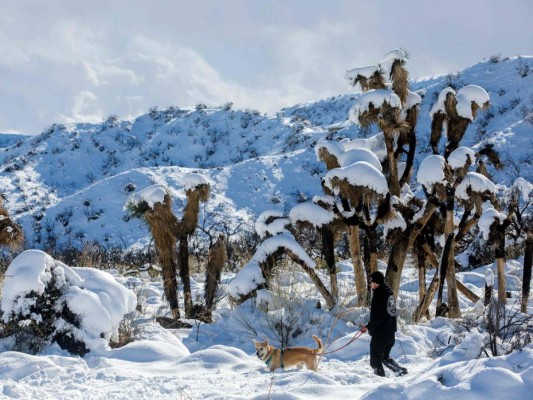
217	361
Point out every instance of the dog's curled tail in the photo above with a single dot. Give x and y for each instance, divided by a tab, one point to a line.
319	343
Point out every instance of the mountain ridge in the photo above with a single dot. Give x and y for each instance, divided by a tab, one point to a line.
73	180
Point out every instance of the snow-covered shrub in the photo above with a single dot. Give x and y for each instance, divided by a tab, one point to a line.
47	301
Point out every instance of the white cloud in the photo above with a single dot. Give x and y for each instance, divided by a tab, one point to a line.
66	60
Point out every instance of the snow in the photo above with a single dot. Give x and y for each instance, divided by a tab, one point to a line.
413	99
431	171
333	147
396	222
376	98
365	72
252	159
250	276
192	181
376	144
359	174
466	96
439	104
151	195
393	55
212	361
94	296
359	154
524	187
275	227
476	183
311	213
488	218
459	157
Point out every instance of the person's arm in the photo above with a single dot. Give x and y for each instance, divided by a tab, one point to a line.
377	312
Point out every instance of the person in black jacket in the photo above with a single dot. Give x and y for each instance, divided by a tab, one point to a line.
382	326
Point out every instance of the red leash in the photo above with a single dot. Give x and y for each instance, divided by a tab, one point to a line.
356	336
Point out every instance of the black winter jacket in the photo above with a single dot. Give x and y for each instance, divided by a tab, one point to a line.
382	312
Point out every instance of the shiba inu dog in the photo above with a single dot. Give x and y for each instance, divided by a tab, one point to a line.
289	357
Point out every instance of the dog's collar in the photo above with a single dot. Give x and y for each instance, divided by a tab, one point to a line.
269	358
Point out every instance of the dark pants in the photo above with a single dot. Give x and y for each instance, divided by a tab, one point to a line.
380	347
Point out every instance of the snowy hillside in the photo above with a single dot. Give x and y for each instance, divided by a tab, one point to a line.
72	181
9	139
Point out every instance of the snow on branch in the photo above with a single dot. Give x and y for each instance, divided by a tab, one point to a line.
393	55
489	217
271	222
471	94
352	156
460	156
413	99
373	98
311	213
396	222
376	144
355	74
431	171
523	187
194	180
474	182
439	105
250	277
150	195
333	147
359	174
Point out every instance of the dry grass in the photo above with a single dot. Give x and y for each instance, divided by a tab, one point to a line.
328	159
400	80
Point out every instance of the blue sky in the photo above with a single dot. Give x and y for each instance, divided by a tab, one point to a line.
65	61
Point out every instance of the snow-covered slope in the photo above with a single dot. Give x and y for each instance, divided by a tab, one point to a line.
72	181
9	139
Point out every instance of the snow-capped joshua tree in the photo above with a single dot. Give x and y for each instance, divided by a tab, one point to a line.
495	226
449	184
371	185
155	206
257	273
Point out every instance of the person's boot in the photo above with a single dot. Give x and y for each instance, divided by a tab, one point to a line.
379	371
395	367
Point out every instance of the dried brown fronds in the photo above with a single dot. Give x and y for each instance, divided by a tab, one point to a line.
329	159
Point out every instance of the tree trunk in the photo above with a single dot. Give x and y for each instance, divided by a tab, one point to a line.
183	260
373	250
330	300
405	240
467	292
487	295
526	282
397	258
500	267
357	261
162	223
447	265
394	183
328	250
215	264
421	259
423	306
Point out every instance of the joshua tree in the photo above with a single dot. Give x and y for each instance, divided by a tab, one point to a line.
257	273
155	206
197	190
215	263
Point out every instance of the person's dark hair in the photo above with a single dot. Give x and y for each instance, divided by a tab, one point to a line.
377	277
